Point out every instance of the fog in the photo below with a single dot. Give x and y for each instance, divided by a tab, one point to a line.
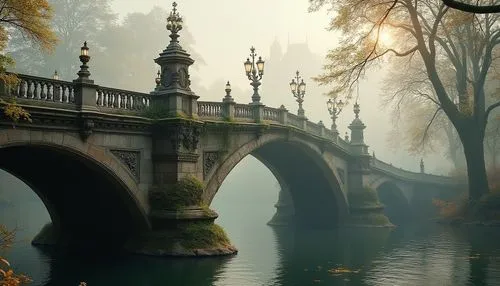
223	32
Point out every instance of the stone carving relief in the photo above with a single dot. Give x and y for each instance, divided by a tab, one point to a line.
209	161
86	128
185	136
131	159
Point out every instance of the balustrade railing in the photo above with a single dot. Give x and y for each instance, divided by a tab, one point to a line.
121	99
408	175
313	128
271	114
38	89
210	109
294	120
243	111
42	89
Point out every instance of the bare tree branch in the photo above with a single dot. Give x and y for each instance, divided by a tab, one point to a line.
488	111
478	9
429	124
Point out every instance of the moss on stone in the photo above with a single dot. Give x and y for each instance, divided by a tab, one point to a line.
186	192
366	209
155	112
368	197
203	235
375	219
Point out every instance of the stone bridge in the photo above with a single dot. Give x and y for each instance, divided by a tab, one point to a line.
141	169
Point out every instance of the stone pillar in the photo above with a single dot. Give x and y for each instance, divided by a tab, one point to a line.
258	112
228	101
365	207
173	96
303	122
323	129
181	224
85	95
285	211
357	137
283	115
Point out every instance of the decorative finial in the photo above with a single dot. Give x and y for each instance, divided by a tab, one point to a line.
228	96
346	138
56	75
356	109
158	79
174	23
373	154
422	167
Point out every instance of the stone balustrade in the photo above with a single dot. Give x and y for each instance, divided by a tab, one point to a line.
243	111
386	168
42	90
112	98
314	129
294	120
32	90
272	114
210	110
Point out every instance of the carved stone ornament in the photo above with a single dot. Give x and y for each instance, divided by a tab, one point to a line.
183	78
86	128
131	159
209	161
341	173
185	136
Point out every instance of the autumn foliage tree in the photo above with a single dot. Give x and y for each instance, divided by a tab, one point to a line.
32	19
434	34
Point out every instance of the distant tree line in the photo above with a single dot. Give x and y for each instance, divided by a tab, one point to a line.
122	51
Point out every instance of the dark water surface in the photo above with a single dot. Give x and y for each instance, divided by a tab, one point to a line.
419	255
413	255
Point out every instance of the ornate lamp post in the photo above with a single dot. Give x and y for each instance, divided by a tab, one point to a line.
254	74
298	91
84	73
334	108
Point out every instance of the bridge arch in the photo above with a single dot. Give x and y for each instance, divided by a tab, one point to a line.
90	196
300	168
396	205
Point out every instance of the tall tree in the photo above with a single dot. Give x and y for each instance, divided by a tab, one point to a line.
429	29
74	22
31	18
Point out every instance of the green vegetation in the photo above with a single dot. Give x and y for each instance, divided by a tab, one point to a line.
367	198
375	219
203	235
155	112
187	192
366	209
484	210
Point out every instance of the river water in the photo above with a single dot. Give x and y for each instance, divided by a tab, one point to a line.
425	254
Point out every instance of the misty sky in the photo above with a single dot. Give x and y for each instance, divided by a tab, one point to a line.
224	30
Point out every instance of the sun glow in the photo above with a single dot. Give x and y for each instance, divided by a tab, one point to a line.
385	38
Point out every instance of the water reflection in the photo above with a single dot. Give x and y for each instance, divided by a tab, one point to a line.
421	255
311	256
68	269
